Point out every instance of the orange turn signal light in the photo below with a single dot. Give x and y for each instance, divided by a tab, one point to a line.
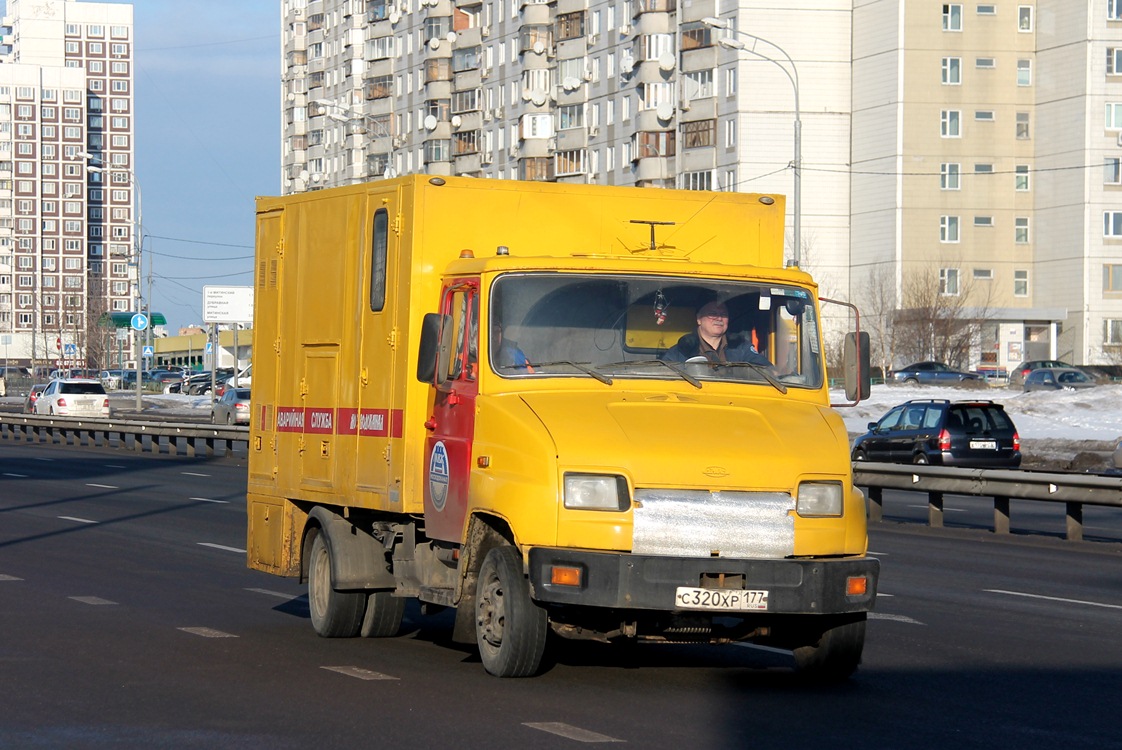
856	586
565	576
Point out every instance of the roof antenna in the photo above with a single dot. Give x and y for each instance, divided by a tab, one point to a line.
653	224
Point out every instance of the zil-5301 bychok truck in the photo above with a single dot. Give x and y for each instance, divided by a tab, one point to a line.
461	395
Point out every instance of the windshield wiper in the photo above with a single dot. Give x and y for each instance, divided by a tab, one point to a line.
673	366
765	371
582	366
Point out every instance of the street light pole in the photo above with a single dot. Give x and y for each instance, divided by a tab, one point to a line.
793	77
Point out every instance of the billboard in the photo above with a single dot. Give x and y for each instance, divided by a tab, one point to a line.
228	304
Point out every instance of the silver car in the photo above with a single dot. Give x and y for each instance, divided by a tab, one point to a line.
232	408
1058	379
73	397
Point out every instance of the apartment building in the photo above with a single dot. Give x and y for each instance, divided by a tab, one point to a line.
981	160
68	244
635	92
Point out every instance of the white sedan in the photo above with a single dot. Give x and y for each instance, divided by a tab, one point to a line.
70	397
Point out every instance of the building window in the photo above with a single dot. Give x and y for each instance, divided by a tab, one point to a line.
695	35
571	162
1114	10
1021	177
1112	171
730	132
983	221
1024	72
987	10
985	63
948	229
702	180
948	282
952	71
983	274
570	116
952	17
1023	125
949	174
570	25
1024	18
1020	283
1112	278
698	84
1112	223
1114	61
1021	230
466	58
699	133
949	123
984	115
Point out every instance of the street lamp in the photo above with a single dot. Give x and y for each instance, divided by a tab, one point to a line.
793	76
347	115
138	248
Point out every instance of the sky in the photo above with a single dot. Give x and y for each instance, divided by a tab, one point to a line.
207	99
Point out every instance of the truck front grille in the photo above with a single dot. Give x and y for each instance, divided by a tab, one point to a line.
699	523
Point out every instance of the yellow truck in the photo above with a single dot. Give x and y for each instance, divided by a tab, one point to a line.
483	394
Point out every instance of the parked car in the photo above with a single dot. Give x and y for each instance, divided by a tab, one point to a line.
932	373
1018	374
232	408
943	433
73	397
32	397
111	379
1058	379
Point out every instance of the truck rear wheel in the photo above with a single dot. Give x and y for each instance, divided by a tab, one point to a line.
335	614
835	652
510	629
383	615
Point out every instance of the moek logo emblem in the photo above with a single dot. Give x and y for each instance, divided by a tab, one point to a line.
715	472
438	476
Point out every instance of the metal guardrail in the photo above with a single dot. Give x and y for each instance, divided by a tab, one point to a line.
139	436
1003	485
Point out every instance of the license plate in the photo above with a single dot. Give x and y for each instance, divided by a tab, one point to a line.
984	444
720	599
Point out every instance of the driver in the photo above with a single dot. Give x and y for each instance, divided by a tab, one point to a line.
711	340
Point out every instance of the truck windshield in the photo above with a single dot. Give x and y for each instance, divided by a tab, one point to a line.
621	326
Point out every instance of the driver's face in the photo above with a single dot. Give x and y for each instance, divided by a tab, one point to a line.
714	324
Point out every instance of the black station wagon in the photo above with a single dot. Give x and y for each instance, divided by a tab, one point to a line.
944	433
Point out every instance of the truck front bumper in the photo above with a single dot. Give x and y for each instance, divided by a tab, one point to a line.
648	582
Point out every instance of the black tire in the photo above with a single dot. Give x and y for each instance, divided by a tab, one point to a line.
334	614
213	418
383	615
911	381
230	420
920	458
510	629
835	651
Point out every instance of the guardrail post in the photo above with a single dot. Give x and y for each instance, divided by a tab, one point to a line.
876	504
1074	521
1001	515
935	509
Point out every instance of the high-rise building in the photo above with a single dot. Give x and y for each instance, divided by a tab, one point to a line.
69	202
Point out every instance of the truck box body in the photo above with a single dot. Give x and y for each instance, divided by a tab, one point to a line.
540	392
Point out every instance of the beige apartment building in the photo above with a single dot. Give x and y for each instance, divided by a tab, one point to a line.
67	187
957	142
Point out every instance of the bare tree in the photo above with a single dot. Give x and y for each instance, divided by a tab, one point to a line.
878	310
939	320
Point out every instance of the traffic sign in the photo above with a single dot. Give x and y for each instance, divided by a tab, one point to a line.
209	347
149	352
70	348
139	321
58	343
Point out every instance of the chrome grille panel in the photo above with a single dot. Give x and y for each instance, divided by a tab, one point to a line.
697	523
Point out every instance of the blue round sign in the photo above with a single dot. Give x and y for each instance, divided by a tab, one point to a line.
139	321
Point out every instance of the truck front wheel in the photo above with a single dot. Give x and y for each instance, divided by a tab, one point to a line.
335	614
510	629
834	652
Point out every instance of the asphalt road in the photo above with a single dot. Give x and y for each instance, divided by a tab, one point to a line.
128	620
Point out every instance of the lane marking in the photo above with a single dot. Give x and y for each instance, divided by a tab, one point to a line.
46	460
193	474
758	647
1053	598
568	731
76	520
102	486
115	466
893	618
209	500
96	600
221	547
879	595
870	553
9	578
17	476
278	594
207	632
945	510
359	673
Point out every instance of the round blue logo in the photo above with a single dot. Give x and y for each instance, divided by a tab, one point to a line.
438	476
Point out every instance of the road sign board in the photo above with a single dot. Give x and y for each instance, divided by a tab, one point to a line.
209	347
140	321
149	352
70	348
227	304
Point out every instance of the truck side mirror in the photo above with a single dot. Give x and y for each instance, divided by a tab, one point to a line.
433	351
858	383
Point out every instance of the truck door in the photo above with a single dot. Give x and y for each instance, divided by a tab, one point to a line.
452	425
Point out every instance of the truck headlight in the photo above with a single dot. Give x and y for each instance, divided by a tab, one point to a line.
819	499
596	492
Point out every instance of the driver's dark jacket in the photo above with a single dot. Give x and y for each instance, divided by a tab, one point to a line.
734	348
